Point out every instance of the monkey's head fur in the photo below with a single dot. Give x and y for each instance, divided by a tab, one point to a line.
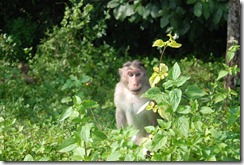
133	75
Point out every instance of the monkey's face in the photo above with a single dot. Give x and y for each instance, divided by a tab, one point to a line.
134	80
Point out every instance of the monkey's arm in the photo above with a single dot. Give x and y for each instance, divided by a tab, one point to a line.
120	118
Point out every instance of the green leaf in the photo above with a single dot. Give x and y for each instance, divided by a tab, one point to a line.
114	156
89	104
198	9
112	4
175	71
158	43
66	114
181	81
100	135
184	110
164	22
68	145
168	84
219	97
206	11
66	100
206	110
76	100
182	126
164	124
193	91
153	93
28	158
154	79
222	73
86	131
159	142
217	16
175	98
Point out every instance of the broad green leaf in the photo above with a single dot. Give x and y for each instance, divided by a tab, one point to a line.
206	11
184	110
67	84
100	135
206	110
175	98
85	79
153	93
193	91
212	158
198	9
181	80
68	145
114	156
112	4
89	104
66	114
164	21
159	142
219	97
182	126
231	52
164	124
175	71
217	16
79	153
154	79
128	157
76	100
149	129
230	56
168	84
159	43
28	158
86	131
66	100
222	73
174	44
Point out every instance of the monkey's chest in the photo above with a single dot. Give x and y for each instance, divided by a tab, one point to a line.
133	103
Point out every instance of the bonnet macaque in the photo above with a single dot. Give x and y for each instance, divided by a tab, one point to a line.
133	83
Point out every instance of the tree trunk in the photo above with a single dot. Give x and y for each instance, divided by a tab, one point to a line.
233	34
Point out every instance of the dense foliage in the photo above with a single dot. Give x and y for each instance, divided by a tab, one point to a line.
67	113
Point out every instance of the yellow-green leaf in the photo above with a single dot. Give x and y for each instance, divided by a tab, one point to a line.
159	43
174	44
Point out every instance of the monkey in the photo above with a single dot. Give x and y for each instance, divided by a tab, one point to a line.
133	83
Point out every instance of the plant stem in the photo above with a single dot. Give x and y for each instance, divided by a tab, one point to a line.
160	61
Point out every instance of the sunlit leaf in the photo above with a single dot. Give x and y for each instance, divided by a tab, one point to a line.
66	114
114	156
174	44
175	71
28	158
175	98
222	73
193	91
206	110
159	43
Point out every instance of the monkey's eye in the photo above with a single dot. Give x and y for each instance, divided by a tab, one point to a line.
130	74
138	74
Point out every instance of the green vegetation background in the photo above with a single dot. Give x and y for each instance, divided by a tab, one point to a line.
74	50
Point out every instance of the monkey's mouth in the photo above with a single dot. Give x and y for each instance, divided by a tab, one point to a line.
136	90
